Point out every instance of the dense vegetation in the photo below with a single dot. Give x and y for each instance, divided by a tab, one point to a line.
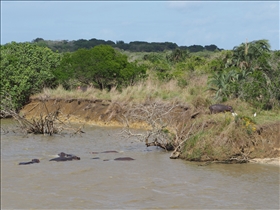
249	72
136	46
100	66
25	70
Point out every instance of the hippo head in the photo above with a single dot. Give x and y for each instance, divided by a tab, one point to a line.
35	161
62	154
76	158
230	109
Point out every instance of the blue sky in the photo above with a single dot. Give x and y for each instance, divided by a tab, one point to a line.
223	23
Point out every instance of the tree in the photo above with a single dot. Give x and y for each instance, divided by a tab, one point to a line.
102	66
251	74
195	48
26	69
247	55
38	39
170	126
177	55
211	47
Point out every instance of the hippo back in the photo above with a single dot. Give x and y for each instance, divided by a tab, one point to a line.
217	108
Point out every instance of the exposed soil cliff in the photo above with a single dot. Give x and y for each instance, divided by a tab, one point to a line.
95	112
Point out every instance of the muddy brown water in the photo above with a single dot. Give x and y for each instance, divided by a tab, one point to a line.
150	181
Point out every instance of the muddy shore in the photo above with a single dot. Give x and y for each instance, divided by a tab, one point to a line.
107	113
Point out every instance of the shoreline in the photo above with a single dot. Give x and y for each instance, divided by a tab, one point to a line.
267	161
265	148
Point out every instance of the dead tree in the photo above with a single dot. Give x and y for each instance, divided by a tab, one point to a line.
169	124
43	124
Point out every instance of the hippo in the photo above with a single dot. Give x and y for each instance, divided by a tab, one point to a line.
65	157
110	151
217	108
31	162
62	154
124	158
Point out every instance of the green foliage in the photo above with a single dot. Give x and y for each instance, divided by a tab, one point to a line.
216	65
251	74
135	46
195	48
194	62
193	140
211	47
101	66
177	55
191	149
182	83
219	82
26	69
154	57
251	55
259	91
132	74
160	66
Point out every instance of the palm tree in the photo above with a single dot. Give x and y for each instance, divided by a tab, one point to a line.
246	55
219	82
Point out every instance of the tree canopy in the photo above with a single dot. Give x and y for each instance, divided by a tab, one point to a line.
135	46
101	66
251	73
26	69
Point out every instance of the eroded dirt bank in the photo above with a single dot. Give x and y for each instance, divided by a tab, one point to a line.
221	146
98	112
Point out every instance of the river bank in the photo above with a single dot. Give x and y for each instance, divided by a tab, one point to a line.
270	161
218	137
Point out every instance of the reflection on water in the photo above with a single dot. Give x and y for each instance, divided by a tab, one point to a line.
152	180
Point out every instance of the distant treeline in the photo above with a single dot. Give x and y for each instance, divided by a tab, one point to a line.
136	46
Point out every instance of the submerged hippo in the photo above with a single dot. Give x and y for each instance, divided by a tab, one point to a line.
217	108
31	162
110	151
124	158
65	157
62	154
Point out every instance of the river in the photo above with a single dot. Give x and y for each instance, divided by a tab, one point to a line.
97	181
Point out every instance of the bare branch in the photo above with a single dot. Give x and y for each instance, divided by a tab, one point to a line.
160	118
47	124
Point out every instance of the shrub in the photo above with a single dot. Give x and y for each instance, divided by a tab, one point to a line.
101	66
26	69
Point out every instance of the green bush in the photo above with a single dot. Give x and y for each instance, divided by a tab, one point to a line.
252	75
101	66
26	69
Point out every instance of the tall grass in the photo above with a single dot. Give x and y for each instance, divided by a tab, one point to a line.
149	89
